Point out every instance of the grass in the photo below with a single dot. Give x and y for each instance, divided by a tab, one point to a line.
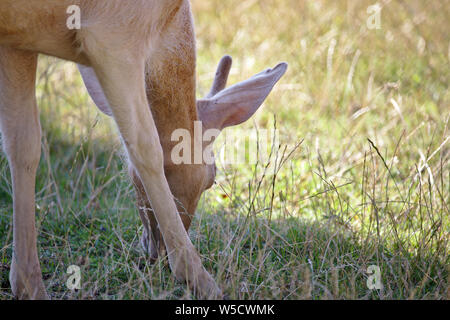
368	185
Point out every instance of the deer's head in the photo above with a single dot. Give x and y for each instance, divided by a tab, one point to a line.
225	107
221	108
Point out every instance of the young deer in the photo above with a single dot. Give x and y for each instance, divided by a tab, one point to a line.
138	60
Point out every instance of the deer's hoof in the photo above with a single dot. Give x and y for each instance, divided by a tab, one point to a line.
27	285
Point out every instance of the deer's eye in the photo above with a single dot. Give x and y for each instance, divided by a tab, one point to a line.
211	176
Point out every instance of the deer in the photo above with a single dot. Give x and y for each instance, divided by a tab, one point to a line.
138	62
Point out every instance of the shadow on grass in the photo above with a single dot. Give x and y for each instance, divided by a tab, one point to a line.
293	259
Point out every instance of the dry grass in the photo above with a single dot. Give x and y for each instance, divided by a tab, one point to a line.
369	185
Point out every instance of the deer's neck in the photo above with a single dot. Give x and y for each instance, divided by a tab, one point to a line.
171	96
170	78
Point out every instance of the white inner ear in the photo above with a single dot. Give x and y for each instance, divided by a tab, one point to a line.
95	89
239	102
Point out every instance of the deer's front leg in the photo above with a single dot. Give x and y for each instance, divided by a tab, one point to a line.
151	239
19	123
124	87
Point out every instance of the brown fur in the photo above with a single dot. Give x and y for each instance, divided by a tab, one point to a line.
142	56
119	49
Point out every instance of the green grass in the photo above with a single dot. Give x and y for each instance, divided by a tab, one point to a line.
369	184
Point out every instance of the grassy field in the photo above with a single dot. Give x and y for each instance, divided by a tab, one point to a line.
361	178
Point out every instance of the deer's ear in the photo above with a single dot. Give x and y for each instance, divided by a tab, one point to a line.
95	89
239	102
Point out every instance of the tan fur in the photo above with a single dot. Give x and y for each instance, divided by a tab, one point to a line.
129	44
139	60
